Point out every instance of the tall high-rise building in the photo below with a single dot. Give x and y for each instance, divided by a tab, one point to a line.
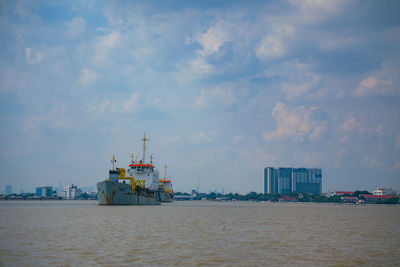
270	180
287	180
44	191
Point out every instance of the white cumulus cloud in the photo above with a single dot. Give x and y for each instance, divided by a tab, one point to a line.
215	37
33	57
369	161
217	96
350	127
316	11
76	26
350	124
131	102
87	77
296	89
372	85
105	44
210	41
299	123
273	45
202	137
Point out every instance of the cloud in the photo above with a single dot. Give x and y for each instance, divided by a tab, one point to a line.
175	140
198	66
398	141
397	165
210	41
369	161
237	139
131	102
372	85
76	26
104	45
215	37
297	89
298	123
216	97
156	101
350	124
318	5
273	44
315	11
99	108
87	77
312	159
115	106
11	80
335	43
24	10
256	157
33	57
379	130
202	137
340	94
56	117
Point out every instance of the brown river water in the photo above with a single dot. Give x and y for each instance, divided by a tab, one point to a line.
65	233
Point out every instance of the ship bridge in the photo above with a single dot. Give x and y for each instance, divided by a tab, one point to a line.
144	170
141	167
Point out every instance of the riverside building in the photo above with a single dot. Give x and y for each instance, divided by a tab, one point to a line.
287	180
384	192
71	191
44	191
8	190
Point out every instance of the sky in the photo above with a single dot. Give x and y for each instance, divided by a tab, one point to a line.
222	88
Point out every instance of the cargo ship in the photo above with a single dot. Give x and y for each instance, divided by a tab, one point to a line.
165	187
139	185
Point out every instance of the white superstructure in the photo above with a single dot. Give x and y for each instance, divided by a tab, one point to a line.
384	192
141	170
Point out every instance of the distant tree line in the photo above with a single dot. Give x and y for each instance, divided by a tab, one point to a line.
307	197
25	196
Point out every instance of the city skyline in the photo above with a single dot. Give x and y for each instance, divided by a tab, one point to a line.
222	89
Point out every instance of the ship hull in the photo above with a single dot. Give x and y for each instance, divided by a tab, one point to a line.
115	193
166	197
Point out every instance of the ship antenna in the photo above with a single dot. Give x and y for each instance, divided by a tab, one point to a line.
113	161
144	139
151	159
165	171
132	161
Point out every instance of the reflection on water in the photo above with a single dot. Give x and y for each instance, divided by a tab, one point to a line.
198	233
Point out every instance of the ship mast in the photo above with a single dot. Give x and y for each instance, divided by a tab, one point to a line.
132	161
113	161
165	171
144	139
